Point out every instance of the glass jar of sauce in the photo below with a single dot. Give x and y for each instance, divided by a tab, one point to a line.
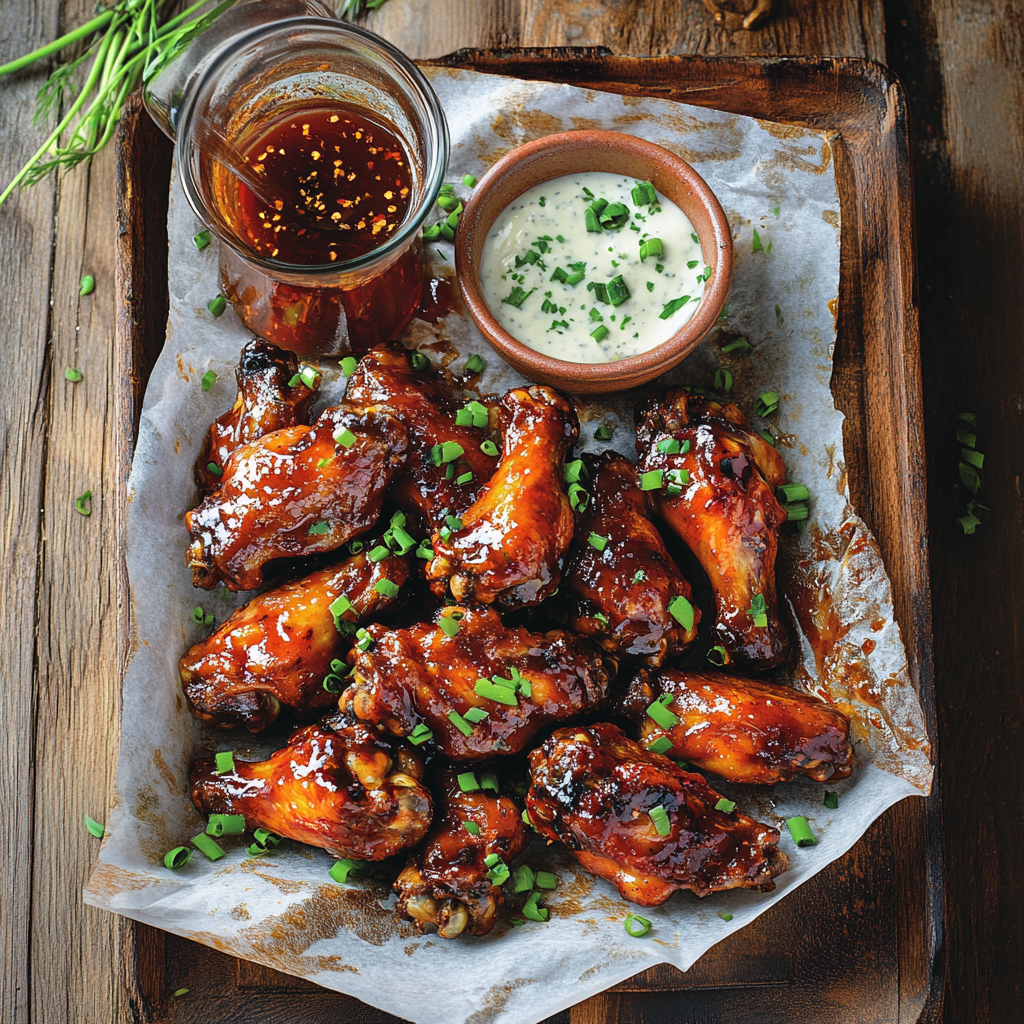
350	146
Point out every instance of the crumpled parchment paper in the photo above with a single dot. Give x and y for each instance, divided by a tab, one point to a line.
283	910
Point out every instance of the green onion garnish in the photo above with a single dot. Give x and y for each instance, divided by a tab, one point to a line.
468	783
424	550
419	361
662	745
345	437
574	471
83	504
801	831
489	782
475	364
177	858
378	553
449	451
320	529
420	735
602	433
673	307
736	345
831	800
617	291
532	910
723	379
728	806
338	607
489	448
341	869
682	611
225	761
217	305
213	468
591	221
210	847
179	992
202	240
528	821
460	723
333	683
758	611
208	380
789	493
613	216
650	247
464	478
643	194
471	827
767	402
88	285
757	246
386	588
546	880
225	825
669	446
578	498
725	917
523	879
659	711
639	576
637	926
659	818
72	374
448	625
652	480
363	640
94	827
475	715
494	691
779	318
717	655
599	333
468	180
596	541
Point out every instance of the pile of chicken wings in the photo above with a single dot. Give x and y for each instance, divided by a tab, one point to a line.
475	634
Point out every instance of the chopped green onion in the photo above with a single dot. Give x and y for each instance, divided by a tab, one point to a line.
363	640
636	926
341	869
682	611
801	831
723	379
758	611
736	345
669	446
460	723
217	305
523	879
83	504
725	917
475	364
419	361
728	806
591	221
532	910
767	437
476	715
210	847
661	714
177	858
599	333
662	745
789	493
208	380
179	992
757	246
386	588
970	477
717	655
448	625
650	247
202	240
613	216
464	478
578	498
596	541
333	683
468	180
449	451
94	827
489	448
338	607
322	464
319	529
225	761
198	613
796	513
546	880
600	291
528	821
574	471
420	735
88	285
399	540
767	402
471	827
498	873
831	800
617	291
779	318
968	417
652	480
489	782
972	458
468	783
424	550
659	818
73	375
639	576
602	433
213	468
494	691
431	233
378	553
673	307
643	194
225	825
345	437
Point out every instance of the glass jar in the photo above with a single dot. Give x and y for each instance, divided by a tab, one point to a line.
262	61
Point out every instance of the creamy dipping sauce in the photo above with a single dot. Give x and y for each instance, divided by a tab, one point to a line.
592	296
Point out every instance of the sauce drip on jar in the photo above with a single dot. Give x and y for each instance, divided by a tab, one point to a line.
343	181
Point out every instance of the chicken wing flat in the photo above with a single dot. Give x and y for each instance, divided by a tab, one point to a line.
642	822
336	789
509	547
482	691
744	730
441	451
627	593
717	496
266	402
294	492
447	884
278	649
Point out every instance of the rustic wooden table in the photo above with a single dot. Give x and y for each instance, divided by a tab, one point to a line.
961	62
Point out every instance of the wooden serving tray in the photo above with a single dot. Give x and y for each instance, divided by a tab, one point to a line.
861	941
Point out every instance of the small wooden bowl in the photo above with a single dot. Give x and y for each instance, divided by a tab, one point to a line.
572	153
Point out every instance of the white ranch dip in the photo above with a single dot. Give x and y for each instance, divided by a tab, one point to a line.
561	288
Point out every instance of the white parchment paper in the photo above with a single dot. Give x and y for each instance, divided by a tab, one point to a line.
283	910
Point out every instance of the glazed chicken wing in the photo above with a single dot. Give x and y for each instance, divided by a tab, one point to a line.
484	690
744	730
333	787
643	823
294	492
627	593
447	885
509	547
278	649
266	402
725	511
427	406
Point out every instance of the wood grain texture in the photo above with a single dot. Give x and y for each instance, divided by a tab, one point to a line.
963	65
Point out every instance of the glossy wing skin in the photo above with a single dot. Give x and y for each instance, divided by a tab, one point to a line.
621	594
512	546
727	514
445	884
278	487
593	789
336	789
426	404
266	402
420	675
744	730
276	650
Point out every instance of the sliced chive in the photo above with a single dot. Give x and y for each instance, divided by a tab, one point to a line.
532	909
88	285
831	800
801	831
94	827
386	588
617	291
758	611
471	827
420	735
650	247
662	745
717	655
468	782
669	446
345	437
596	541
659	818
723	379
333	683
476	715
517	296
209	378
673	307
460	723
83	504
448	625
590	219
72	374
177	858
342	868
217	305
202	240
378	553
464	478
767	402
489	448
546	880
652	480
728	806
523	879
599	333
210	847
789	493
682	611
636	926
492	691
661	714
225	761
363	640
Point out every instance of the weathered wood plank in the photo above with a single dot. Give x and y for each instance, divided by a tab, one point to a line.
26	229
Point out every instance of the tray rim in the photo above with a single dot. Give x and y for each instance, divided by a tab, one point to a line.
132	322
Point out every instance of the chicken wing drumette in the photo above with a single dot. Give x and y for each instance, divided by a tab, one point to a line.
717	496
480	691
295	492
642	822
744	730
266	402
627	593
509	547
441	451
278	649
335	785
448	884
